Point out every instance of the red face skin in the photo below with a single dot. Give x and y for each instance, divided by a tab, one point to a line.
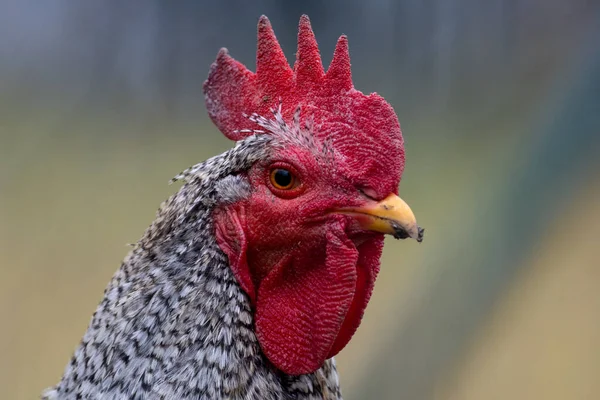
309	271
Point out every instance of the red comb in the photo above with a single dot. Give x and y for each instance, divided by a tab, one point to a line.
329	99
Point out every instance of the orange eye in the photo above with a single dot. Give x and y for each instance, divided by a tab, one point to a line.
282	179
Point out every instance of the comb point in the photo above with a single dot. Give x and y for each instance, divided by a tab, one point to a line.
339	70
308	67
270	59
272	69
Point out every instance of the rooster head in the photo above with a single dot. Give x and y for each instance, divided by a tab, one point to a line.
305	241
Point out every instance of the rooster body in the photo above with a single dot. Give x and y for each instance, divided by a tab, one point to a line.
257	271
174	323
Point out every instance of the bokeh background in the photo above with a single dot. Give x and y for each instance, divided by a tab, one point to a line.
499	100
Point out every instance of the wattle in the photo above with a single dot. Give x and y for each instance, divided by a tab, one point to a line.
367	269
311	304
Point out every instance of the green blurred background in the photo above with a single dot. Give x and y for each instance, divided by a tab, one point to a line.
101	104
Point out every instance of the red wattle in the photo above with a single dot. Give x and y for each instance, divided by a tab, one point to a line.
303	302
367	269
310	304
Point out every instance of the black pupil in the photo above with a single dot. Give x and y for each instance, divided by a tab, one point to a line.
283	177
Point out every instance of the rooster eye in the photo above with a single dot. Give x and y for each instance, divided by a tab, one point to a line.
282	179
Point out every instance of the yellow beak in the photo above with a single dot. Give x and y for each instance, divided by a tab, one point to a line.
390	216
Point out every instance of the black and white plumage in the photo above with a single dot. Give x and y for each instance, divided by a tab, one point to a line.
174	323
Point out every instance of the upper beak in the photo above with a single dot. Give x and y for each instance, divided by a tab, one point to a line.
391	216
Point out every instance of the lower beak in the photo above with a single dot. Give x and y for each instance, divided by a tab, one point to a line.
390	216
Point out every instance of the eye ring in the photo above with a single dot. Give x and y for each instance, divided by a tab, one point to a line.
283	179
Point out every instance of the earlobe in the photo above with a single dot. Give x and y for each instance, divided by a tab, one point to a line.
229	232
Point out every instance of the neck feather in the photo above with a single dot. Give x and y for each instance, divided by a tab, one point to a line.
174	323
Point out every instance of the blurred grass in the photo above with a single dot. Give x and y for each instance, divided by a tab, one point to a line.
541	341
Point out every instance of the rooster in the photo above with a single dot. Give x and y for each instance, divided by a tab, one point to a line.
258	270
